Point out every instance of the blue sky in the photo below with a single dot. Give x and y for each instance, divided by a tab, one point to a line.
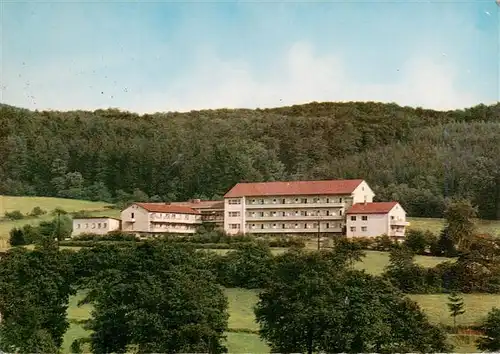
178	56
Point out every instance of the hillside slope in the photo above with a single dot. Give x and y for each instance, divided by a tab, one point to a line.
419	157
26	204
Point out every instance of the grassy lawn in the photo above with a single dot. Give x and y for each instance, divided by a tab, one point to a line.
26	204
241	302
435	225
375	261
245	343
476	307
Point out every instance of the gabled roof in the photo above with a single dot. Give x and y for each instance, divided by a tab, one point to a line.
331	187
201	204
372	208
167	208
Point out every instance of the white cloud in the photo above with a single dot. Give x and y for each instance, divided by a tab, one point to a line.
301	77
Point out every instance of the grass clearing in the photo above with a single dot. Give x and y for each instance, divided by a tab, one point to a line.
436	225
74	331
375	262
26	204
463	343
241	303
245	343
476	307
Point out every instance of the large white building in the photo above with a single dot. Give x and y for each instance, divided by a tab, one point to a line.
309	207
292	207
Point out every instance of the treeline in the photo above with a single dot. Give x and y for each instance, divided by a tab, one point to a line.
418	157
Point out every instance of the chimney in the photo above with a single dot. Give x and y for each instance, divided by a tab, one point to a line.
196	201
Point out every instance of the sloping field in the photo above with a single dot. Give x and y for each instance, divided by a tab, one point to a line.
26	204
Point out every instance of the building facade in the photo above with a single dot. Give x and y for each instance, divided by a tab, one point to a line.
160	218
212	211
375	219
297	207
95	225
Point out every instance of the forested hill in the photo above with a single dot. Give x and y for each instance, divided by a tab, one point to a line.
419	157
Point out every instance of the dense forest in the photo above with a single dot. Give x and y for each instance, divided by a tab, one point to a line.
419	157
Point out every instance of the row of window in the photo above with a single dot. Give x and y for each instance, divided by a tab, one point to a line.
172	226
233	214
288	226
363	228
172	216
93	225
296	213
363	217
287	201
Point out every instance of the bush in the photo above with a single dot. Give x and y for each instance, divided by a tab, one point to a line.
36	212
14	215
58	211
128	243
419	241
491	327
248	266
365	243
80	214
23	236
216	236
409	277
110	236
287	242
384	243
16	237
98	243
60	227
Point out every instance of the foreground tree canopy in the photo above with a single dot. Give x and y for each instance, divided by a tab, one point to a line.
322	307
114	155
34	293
157	298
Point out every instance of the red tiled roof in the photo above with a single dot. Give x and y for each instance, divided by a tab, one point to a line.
167	208
201	204
372	208
332	187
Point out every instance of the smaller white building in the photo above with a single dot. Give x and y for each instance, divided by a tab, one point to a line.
157	218
376	219
95	225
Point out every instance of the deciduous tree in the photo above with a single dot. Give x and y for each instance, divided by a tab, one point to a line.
322	307
35	287
157	298
491	327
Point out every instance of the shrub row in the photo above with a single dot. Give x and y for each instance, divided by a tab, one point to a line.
18	215
111	236
233	245
216	240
